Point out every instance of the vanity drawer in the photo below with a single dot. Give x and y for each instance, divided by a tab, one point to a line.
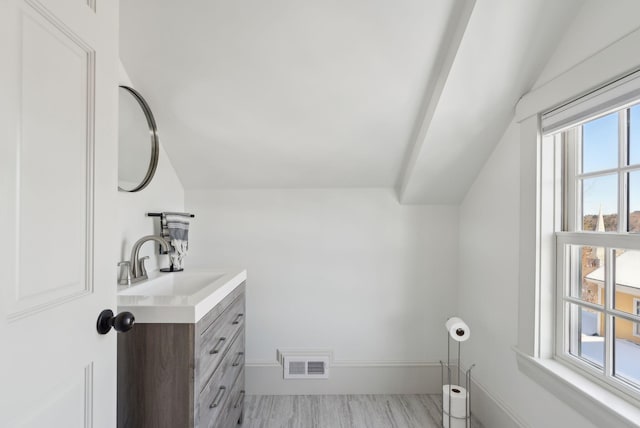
216	340
214	400
208	319
235	405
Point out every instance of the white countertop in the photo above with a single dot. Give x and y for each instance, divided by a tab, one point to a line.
195	292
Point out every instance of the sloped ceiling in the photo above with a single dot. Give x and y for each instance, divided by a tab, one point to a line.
411	94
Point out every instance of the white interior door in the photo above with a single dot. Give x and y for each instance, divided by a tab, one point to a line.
58	106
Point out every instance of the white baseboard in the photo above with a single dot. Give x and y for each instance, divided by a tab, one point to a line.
490	410
363	377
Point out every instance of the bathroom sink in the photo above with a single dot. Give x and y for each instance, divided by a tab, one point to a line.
173	284
178	297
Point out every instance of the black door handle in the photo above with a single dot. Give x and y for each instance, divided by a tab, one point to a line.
122	322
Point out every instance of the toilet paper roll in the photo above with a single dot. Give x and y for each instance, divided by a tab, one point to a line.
455	423
459	396
458	329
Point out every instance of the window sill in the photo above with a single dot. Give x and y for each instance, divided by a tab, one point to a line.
600	406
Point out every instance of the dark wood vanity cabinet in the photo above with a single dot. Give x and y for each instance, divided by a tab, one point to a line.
184	375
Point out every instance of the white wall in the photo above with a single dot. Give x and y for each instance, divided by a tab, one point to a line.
488	293
164	193
596	25
489	243
351	270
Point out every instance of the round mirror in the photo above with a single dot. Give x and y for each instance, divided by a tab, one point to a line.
138	146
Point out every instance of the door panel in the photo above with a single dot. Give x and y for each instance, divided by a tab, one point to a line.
58	127
54	185
59	408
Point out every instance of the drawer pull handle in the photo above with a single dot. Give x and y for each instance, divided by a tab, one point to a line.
218	398
216	348
240	396
237	320
236	362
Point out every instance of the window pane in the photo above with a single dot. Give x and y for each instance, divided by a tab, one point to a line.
634	135
585	335
588	279
600	203
627	350
634	201
627	280
600	143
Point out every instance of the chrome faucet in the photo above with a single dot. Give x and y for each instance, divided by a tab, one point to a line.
134	270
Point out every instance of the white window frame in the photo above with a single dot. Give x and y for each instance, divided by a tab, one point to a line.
540	220
636	307
571	235
535	345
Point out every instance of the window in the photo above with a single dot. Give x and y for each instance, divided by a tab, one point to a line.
542	350
598	247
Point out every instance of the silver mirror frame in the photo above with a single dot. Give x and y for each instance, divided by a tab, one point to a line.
155	145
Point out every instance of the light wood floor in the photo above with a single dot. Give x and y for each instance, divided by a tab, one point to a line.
344	411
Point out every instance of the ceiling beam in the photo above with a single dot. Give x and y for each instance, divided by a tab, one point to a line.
456	27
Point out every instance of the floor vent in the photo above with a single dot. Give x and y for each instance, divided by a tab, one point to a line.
301	367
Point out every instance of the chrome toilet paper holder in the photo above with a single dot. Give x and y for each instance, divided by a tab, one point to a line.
453	326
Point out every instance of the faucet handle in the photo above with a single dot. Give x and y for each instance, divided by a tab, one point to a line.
125	273
143	269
